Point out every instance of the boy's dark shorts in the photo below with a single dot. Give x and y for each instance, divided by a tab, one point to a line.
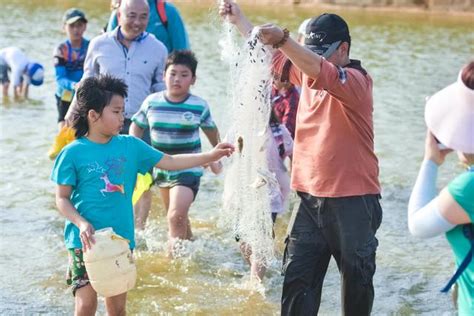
63	107
76	272
4	72
188	180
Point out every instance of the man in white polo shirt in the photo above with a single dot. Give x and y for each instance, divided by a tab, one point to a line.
131	54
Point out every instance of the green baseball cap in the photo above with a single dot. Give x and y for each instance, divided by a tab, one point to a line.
73	15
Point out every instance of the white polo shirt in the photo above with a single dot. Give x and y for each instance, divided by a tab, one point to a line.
141	66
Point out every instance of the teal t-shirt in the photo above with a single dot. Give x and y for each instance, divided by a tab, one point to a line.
103	178
462	190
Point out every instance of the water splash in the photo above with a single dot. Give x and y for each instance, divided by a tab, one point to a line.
246	198
252	285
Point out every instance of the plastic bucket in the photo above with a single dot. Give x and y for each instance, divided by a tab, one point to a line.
109	264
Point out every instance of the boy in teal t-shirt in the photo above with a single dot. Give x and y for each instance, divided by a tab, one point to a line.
95	178
103	178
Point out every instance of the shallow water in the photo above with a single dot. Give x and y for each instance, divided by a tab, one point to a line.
409	57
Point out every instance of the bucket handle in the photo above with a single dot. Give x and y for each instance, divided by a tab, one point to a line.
118	237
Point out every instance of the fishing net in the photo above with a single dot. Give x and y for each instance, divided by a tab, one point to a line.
246	198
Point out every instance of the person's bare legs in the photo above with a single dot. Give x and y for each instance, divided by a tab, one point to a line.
115	305
189	233
257	270
180	199
142	209
86	301
5	90
165	198
25	87
246	252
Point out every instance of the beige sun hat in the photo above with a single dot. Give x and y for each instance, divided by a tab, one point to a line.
449	115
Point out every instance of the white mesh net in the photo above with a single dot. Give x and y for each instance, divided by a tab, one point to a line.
246	198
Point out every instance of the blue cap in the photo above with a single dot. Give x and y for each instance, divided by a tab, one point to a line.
73	15
35	72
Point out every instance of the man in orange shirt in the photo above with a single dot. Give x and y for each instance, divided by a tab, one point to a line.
335	170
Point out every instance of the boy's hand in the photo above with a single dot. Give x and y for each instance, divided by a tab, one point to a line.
221	150
86	235
230	10
432	151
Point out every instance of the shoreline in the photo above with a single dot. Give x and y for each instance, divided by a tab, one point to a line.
452	11
436	11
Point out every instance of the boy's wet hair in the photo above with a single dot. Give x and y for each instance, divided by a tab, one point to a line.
183	57
94	93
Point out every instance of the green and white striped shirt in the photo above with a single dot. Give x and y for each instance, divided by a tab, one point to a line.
174	127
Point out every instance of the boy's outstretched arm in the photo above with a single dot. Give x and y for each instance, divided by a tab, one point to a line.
63	202
184	161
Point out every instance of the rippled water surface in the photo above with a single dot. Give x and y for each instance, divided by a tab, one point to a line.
409	57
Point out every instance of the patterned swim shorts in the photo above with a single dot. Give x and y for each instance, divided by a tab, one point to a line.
76	273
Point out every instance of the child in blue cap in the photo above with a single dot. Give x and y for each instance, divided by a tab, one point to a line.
69	59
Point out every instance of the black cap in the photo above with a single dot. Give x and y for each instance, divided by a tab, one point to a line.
73	15
325	33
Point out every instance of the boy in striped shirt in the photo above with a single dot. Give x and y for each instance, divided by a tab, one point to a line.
174	117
